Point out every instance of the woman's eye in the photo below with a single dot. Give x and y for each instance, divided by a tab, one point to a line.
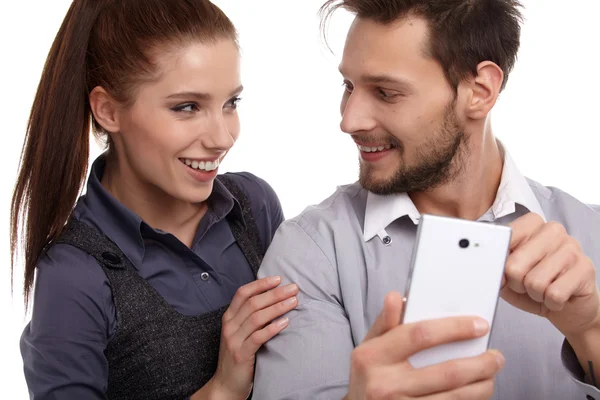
188	107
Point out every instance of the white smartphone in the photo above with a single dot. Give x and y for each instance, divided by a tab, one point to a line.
456	270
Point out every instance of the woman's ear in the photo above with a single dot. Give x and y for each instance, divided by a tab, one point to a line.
105	110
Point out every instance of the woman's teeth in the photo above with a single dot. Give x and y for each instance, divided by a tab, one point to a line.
374	149
202	165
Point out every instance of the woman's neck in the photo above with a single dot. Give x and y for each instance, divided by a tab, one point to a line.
154	206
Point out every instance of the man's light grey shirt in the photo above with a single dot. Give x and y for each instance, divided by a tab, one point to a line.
337	255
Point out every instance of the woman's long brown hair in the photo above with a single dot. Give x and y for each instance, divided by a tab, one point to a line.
107	43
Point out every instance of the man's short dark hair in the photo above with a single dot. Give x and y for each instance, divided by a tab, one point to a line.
463	33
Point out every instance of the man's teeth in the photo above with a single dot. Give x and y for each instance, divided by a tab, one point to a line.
374	149
202	165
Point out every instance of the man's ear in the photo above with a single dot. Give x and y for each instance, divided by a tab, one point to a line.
484	89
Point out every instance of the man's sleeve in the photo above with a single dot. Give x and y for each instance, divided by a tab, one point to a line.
310	359
576	373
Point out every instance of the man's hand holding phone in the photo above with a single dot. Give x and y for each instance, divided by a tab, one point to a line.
380	367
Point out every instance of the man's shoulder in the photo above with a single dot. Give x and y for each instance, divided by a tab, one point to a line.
312	238
344	206
581	220
339	217
553	199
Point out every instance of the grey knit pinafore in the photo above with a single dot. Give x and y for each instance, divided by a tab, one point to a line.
158	353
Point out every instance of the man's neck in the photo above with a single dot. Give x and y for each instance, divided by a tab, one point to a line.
473	191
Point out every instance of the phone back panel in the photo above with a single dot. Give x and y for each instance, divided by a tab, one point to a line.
448	279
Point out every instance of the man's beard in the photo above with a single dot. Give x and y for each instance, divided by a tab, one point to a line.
439	161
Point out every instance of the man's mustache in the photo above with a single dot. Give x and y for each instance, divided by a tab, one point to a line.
374	141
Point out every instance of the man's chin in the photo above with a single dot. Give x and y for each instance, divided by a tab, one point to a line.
382	186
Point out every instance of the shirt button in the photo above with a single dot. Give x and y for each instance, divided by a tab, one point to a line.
387	240
204	276
111	258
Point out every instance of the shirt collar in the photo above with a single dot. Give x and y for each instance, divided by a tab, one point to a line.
514	189
222	203
124	227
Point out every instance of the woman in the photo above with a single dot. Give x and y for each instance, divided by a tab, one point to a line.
134	280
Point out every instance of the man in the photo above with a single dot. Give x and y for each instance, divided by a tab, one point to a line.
422	77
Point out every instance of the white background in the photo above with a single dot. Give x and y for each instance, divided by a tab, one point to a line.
547	117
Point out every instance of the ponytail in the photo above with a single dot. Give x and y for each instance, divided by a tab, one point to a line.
54	158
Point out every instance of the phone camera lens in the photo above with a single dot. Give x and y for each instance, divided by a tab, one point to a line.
463	243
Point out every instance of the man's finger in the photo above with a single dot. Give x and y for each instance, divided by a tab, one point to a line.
477	390
521	301
389	317
523	227
524	258
405	340
453	374
548	270
567	286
